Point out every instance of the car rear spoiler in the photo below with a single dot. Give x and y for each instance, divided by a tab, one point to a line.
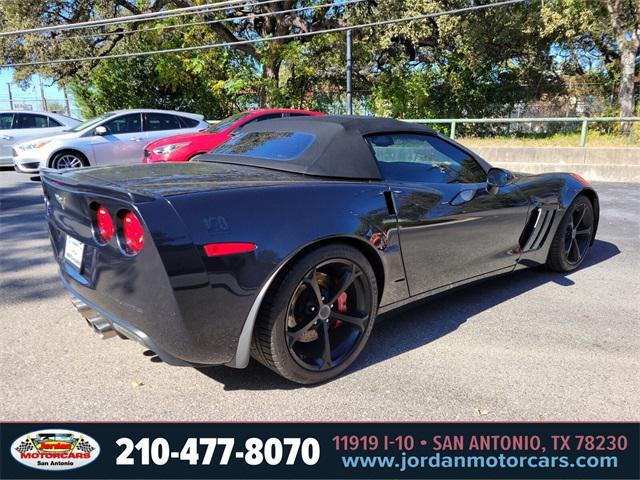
76	180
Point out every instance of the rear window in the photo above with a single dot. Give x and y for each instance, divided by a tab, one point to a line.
187	122
281	146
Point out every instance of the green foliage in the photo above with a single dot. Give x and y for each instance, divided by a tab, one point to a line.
478	64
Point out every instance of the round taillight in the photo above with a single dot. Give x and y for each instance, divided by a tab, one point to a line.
104	222
132	233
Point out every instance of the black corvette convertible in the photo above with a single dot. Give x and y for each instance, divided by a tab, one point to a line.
285	242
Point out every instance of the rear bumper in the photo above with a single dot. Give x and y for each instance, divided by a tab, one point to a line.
187	308
106	325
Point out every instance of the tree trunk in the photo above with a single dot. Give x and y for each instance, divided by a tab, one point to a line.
625	20
628	53
270	71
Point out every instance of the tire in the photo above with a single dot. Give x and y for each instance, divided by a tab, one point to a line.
68	159
573	237
297	320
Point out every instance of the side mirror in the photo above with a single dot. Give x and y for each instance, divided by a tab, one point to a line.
497	178
101	130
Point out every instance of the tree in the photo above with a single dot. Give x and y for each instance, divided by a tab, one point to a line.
625	19
474	64
597	40
263	20
202	83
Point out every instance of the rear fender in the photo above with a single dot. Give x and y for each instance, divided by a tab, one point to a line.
282	221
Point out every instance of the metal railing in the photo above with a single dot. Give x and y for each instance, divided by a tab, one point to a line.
584	121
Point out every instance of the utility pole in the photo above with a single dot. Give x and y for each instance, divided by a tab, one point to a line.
44	100
349	73
10	96
66	101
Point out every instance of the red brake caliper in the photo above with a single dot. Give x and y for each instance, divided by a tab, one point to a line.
341	306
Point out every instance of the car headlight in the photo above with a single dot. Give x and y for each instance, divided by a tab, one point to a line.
33	145
169	149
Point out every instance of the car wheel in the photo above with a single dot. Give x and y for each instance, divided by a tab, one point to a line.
64	160
573	238
318	317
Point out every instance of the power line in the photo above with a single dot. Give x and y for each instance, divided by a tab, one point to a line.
131	18
265	39
219	20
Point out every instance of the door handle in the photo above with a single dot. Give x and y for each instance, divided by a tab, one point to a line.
463	196
5	137
137	139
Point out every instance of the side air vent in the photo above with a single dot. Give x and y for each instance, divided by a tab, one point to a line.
537	229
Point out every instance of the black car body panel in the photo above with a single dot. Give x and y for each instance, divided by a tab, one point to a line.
199	310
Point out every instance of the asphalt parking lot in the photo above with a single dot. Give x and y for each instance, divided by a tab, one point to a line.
534	345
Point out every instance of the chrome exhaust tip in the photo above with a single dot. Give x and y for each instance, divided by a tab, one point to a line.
82	308
101	327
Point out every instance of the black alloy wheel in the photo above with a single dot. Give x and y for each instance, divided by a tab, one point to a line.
328	313
318	316
578	233
574	236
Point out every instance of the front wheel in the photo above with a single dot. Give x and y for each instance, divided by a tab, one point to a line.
574	236
64	160
319	315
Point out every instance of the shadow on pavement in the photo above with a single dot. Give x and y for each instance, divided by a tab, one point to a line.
419	324
25	244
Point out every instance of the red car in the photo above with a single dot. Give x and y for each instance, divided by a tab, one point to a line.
182	148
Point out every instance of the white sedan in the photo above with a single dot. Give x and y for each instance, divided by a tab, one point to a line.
113	138
17	126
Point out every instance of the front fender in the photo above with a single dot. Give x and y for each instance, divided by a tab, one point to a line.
554	191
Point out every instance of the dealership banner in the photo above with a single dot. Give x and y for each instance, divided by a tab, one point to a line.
320	450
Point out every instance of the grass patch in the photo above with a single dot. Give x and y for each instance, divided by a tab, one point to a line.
594	139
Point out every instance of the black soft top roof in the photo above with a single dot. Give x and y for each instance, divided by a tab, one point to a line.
339	149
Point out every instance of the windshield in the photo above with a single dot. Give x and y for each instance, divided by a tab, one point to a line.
227	122
91	122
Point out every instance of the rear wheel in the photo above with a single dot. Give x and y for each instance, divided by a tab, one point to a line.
318	317
68	159
573	238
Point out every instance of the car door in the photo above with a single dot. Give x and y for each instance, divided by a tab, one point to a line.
6	136
27	126
123	141
160	125
451	228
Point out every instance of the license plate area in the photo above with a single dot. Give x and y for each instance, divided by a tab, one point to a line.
74	251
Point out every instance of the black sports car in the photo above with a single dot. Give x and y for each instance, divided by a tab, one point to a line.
285	242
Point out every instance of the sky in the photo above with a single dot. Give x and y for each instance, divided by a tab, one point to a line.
30	96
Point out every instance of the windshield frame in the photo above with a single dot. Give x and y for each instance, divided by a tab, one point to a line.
92	122
228	122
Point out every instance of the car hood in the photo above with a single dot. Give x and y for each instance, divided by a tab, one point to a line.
167	179
187	137
61	135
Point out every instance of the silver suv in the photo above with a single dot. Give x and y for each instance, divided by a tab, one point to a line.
18	126
112	138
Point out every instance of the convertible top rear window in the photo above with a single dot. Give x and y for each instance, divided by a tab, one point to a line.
281	146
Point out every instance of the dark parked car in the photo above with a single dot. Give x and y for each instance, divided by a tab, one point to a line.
288	240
